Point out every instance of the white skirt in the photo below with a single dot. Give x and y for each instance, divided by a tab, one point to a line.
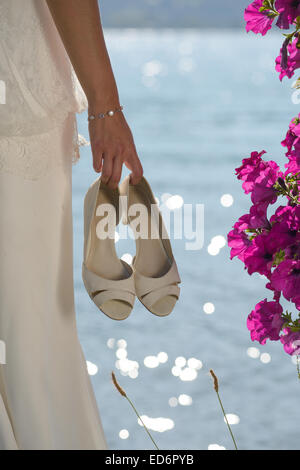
46	398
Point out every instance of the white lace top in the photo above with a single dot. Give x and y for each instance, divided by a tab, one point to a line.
38	85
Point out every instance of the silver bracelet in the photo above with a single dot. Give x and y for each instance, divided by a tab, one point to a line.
111	112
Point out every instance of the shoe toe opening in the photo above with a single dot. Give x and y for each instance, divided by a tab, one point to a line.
116	309
164	306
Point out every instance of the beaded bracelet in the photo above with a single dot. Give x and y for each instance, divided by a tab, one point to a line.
102	115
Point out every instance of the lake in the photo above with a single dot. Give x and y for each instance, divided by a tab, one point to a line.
197	103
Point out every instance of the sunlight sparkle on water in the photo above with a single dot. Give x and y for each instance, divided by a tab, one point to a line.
219	241
121	353
173	402
232	418
208	308
216	447
254	353
174	202
92	368
162	357
128	367
151	361
133	373
176	371
213	250
186	373
123	434
216	244
122	343
157	424
165	197
111	343
155	361
194	363
226	200
180	361
265	358
185	400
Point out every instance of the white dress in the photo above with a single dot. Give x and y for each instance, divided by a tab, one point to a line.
46	398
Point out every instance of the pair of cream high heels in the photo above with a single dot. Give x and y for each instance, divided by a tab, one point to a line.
110	282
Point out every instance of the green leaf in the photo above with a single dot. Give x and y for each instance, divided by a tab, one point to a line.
279	257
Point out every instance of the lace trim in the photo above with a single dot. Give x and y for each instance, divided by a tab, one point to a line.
38	127
41	85
35	156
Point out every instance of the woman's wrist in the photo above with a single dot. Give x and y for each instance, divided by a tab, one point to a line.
103	101
111	112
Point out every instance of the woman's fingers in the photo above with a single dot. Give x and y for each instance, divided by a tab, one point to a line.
136	169
107	167
112	146
116	172
97	153
97	161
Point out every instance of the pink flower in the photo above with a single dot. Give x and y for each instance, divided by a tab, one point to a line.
263	191
289	10
258	257
259	178
276	293
265	321
292	143
289	141
293	251
295	126
291	342
256	20
283	235
250	170
293	165
288	60
238	241
289	214
258	217
285	227
286	278
292	138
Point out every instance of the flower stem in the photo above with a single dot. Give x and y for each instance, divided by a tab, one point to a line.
146	429
216	387
228	425
124	394
298	366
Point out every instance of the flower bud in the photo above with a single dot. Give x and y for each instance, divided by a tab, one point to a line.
281	182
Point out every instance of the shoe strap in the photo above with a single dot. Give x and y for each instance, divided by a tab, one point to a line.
97	283
114	294
144	285
150	299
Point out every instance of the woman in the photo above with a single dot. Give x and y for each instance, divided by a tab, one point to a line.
46	398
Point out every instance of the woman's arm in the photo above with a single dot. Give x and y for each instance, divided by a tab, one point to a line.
79	25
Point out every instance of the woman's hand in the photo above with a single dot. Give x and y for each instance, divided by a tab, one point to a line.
79	25
112	146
